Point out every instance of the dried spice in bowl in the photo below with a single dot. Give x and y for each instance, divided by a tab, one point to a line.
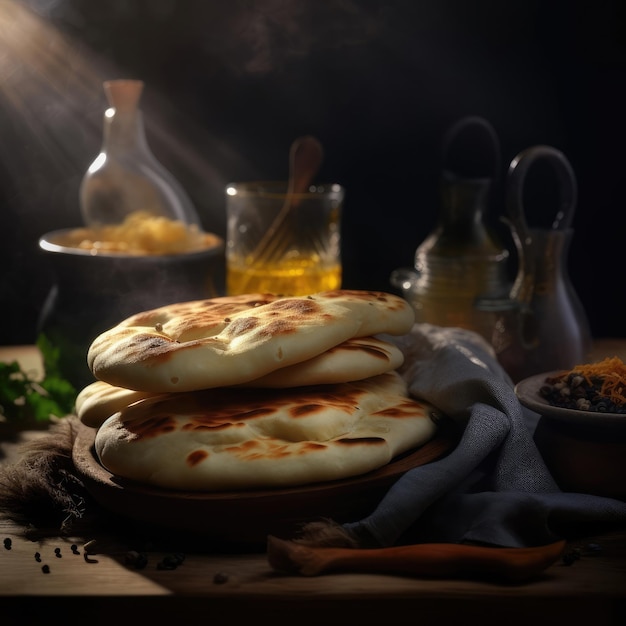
599	387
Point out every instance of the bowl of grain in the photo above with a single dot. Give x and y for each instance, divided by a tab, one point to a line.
581	432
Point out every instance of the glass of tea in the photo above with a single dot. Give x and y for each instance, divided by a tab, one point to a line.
282	242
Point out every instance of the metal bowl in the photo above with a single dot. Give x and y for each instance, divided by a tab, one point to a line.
92	292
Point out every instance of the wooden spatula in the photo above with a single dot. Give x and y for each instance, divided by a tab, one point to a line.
432	560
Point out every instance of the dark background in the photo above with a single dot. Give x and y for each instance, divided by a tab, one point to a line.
230	84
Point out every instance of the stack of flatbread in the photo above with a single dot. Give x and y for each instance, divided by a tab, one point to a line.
254	391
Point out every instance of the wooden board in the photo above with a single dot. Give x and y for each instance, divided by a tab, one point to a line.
245	517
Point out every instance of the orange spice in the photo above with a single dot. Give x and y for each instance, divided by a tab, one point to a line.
609	373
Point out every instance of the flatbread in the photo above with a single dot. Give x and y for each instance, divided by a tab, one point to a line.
99	400
233	439
229	341
351	360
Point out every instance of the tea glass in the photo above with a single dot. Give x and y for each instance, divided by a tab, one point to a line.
282	242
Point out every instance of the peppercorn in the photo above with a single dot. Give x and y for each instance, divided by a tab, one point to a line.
45	569
171	561
220	578
8	543
138	560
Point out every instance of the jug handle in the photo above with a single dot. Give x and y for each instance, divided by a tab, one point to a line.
516	177
488	136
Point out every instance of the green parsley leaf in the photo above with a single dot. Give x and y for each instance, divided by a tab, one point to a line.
22	398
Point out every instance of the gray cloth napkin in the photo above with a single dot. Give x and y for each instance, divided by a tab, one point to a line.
494	487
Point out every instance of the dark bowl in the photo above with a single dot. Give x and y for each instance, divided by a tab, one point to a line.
93	292
584	450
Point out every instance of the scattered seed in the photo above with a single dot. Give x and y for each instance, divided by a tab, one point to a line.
38	557
8	543
171	561
135	559
220	578
75	549
45	569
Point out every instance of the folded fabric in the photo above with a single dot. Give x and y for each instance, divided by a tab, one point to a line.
494	487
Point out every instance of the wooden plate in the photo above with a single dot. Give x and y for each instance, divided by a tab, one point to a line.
244	517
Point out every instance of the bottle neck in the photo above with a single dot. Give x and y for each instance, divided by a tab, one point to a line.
461	228
463	203
123	132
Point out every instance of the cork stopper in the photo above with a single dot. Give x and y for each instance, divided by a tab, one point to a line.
123	95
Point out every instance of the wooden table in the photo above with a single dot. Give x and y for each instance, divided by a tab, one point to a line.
234	588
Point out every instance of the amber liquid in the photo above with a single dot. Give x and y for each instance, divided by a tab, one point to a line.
292	277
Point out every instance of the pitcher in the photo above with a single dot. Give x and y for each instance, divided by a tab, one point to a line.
460	274
551	328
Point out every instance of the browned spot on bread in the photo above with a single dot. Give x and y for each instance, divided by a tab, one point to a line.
306	409
151	427
279	327
299	306
144	343
196	457
404	409
255	450
241	326
250	449
206	423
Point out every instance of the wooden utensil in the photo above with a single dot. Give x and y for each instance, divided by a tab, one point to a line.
305	158
431	560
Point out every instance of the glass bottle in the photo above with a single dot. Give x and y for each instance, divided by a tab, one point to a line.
460	275
126	177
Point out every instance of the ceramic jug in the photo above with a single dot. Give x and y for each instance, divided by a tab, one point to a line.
460	275
549	330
